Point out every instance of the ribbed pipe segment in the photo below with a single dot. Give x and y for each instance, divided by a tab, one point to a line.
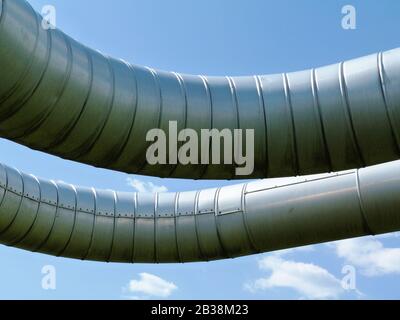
65	99
64	220
61	97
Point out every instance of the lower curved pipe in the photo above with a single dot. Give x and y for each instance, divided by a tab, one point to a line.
64	220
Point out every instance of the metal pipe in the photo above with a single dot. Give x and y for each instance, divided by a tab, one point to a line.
58	96
64	220
61	97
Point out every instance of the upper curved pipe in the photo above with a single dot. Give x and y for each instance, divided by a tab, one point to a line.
61	97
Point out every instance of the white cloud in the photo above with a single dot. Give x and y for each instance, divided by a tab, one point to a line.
149	285
304	249
310	280
144	187
370	256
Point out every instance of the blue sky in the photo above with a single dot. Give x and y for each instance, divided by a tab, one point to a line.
215	37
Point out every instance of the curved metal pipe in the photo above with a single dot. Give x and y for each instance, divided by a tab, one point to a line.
61	97
64	220
58	96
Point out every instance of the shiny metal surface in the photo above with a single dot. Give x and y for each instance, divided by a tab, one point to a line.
207	229
81	236
63	98
210	224
26	214
64	220
45	217
144	249
104	226
165	228
186	227
124	227
231	219
12	199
